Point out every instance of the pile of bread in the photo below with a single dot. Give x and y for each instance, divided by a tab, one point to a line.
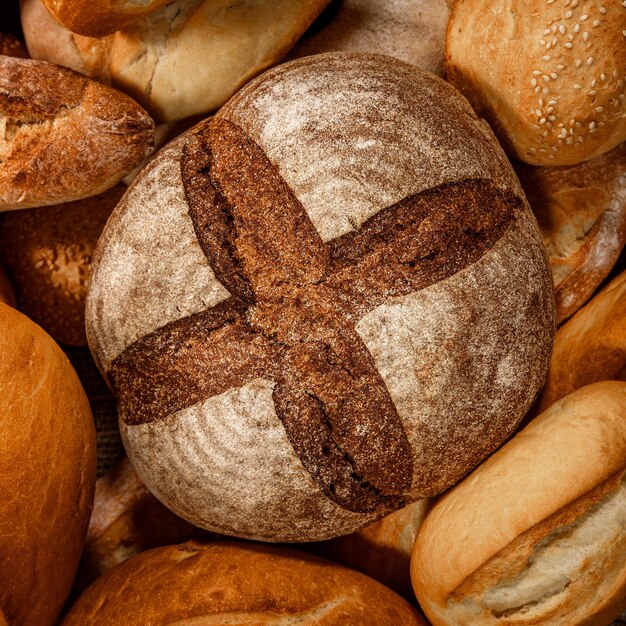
351	270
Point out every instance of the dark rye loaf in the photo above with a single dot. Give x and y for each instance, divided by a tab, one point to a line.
330	300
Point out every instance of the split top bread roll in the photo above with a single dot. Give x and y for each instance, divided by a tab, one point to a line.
548	75
186	58
535	535
591	346
581	210
62	136
239	585
343	262
47	472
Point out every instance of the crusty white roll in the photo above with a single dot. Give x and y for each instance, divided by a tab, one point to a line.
591	346
343	261
186	58
237	584
410	30
100	17
47	472
547	75
536	534
581	210
63	137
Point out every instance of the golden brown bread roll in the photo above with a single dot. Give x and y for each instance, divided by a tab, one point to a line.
535	535
238	584
62	136
591	346
548	76
581	210
47	472
47	252
100	17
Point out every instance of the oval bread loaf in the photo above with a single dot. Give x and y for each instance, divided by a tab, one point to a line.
535	535
342	264
231	583
63	137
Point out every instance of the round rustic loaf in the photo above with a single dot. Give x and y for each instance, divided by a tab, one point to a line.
47	252
47	472
330	300
581	210
535	535
63	137
231	583
547	75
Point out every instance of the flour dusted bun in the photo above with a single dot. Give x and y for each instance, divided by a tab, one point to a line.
581	211
63	137
48	252
343	305
535	535
591	346
547	75
409	30
236	583
47	472
102	17
186	58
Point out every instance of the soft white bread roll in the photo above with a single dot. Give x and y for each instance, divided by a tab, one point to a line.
536	534
591	346
186	58
63	137
548	76
47	472
239	584
96	18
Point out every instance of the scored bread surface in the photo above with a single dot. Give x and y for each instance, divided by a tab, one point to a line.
412	339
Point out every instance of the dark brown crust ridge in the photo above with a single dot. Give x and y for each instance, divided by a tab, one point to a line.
295	303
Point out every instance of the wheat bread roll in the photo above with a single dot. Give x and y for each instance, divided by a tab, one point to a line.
186	58
591	346
47	252
342	245
535	535
409	30
7	295
102	17
64	137
237	583
47	472
581	210
547	76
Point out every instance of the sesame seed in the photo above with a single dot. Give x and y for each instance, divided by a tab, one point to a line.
548	45
603	77
572	122
553	28
568	15
540	102
579	62
599	109
533	82
592	125
601	124
584	18
542	120
542	42
577	86
552	102
545	91
536	127
546	78
545	133
552	118
568	44
577	28
538	112
551	156
590	61
571	131
546	31
554	75
542	150
579	125
551	1
536	73
546	57
596	23
562	29
554	149
561	142
574	3
532	150
586	36
580	139
593	82
593	92
560	67
621	96
537	88
602	10
550	109
624	31
548	124
615	73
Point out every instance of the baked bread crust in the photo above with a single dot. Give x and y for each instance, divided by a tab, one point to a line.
349	194
591	346
547	76
64	137
237	583
47	472
47	252
581	210
563	474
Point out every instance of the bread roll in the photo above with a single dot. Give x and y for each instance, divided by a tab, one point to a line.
400	249
591	346
6	291
381	550
188	57
547	76
581	211
238	584
102	17
409	30
47	252
127	519
12	46
535	535
47	472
